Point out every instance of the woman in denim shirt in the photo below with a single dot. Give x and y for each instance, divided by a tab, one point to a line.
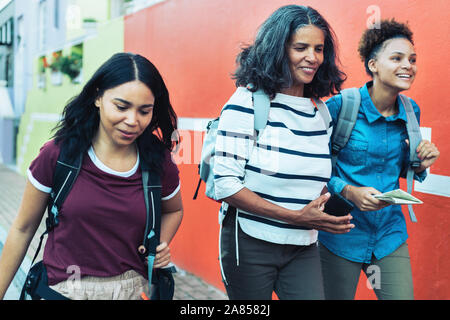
372	162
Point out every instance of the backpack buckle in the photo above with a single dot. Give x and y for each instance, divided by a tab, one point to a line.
335	149
415	164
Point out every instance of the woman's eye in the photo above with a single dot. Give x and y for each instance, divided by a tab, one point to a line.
121	108
146	111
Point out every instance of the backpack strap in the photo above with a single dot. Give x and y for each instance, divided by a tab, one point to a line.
66	172
64	176
323	110
351	99
151	183
261	105
414	136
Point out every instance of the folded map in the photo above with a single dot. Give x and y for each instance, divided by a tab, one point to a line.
398	196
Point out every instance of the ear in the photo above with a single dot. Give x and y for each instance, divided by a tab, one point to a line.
372	65
97	102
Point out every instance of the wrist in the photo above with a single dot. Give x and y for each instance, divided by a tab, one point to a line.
347	192
292	216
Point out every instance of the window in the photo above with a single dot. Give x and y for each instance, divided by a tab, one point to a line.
56	14
6	32
42	24
41	78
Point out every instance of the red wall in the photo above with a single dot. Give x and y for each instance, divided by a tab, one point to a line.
194	44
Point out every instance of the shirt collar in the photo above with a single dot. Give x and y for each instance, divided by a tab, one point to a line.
371	112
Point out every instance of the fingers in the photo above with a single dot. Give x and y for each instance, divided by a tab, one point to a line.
320	202
162	257
334	224
365	199
427	150
427	153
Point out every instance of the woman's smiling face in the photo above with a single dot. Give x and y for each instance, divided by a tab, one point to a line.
395	65
305	52
125	112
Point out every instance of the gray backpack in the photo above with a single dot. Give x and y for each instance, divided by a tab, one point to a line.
351	100
261	103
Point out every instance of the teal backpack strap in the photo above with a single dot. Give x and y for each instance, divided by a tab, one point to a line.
152	198
414	136
261	105
351	99
161	282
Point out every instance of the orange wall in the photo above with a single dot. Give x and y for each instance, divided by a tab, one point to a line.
194	44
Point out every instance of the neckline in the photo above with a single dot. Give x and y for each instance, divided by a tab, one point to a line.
100	165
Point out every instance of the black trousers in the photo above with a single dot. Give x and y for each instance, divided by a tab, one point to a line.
292	271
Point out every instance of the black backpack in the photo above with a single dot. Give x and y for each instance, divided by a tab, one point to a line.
66	172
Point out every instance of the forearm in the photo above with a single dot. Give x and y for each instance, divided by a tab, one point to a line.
170	223
22	231
247	200
14	251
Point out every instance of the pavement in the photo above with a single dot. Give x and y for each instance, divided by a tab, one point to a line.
187	285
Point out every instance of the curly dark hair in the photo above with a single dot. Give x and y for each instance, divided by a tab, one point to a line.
265	63
374	39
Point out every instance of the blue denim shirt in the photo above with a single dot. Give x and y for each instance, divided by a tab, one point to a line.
376	155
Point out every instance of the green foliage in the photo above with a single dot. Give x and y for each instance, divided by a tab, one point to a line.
70	65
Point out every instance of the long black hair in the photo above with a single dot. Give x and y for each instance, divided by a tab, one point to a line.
81	119
265	64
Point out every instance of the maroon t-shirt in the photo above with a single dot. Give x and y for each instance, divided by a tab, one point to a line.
102	220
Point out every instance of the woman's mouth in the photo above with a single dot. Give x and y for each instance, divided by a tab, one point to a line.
308	70
127	134
404	76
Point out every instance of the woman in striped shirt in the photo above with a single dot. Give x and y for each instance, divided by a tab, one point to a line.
275	177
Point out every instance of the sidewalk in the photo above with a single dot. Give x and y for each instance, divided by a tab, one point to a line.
12	184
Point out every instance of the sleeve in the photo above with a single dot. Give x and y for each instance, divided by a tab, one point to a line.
336	184
40	172
170	180
235	138
334	106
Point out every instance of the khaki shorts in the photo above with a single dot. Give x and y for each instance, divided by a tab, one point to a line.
127	286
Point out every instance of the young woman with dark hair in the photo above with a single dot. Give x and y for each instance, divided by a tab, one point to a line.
372	162
271	182
121	117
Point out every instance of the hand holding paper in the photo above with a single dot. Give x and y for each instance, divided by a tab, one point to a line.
398	196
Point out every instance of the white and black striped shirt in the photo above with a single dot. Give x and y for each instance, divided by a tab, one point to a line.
288	163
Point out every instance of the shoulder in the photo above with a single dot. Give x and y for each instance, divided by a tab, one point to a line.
168	161
170	180
241	97
49	152
415	106
334	105
237	114
41	169
334	101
